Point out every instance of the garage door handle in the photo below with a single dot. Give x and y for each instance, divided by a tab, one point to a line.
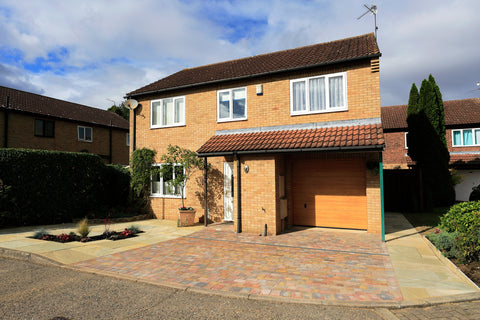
304	205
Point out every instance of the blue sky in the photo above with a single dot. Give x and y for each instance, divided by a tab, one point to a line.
95	51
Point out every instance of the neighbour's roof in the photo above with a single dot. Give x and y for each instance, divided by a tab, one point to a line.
457	113
364	46
332	138
27	102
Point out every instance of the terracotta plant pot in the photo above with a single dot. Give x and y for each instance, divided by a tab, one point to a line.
186	218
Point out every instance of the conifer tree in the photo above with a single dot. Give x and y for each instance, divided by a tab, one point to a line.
427	143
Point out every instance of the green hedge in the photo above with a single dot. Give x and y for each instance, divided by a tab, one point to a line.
45	187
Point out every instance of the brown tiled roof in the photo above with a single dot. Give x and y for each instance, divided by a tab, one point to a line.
359	47
457	113
456	160
347	137
22	101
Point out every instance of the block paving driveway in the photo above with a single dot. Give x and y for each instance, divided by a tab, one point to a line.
310	263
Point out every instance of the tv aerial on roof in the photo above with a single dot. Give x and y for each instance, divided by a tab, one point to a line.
131	104
372	10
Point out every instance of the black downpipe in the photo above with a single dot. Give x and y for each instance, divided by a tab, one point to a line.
110	156
239	195
205	215
5	137
134	142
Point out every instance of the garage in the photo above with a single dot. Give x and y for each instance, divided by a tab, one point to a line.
330	193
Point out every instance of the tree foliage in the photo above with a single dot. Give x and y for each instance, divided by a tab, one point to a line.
121	110
141	164
189	161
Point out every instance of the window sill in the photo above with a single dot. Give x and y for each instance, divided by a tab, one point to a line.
164	196
306	113
231	120
172	126
89	141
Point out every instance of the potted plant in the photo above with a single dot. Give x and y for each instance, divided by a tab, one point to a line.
179	164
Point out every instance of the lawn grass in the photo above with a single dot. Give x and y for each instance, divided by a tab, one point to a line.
426	219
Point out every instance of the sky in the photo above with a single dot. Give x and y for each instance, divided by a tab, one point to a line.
93	52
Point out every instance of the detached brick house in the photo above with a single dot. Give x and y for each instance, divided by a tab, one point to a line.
462	121
293	137
32	121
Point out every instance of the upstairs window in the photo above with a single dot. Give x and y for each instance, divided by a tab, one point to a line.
466	137
85	134
326	93
168	112
232	104
44	128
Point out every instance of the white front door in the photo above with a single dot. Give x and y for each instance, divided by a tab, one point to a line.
228	191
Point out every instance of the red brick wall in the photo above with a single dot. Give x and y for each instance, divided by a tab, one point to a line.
260	202
21	135
394	156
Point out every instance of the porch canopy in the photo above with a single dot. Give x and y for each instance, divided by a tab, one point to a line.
352	135
295	138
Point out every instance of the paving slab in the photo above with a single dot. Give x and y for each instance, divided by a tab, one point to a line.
419	268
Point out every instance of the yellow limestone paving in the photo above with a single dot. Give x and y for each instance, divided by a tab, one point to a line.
420	273
154	231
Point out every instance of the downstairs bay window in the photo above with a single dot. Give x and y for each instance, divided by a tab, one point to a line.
161	185
326	93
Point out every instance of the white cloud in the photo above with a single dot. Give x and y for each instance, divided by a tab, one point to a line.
99	50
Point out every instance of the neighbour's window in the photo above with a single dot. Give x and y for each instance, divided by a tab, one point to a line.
326	93
162	185
128	139
466	137
232	104
85	134
168	112
44	128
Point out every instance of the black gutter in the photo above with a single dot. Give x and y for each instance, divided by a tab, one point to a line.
257	75
343	149
5	137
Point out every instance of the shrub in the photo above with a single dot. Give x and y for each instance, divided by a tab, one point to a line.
83	229
459	215
445	242
40	233
134	229
464	219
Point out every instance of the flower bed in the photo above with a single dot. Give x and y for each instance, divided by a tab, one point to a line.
129	232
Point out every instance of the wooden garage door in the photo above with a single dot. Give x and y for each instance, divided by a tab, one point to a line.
330	193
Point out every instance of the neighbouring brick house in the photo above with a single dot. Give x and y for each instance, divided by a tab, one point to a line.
462	121
32	121
293	137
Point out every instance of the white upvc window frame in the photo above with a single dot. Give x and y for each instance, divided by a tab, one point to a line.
231	116
127	138
84	139
462	145
160	105
328	108
161	191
